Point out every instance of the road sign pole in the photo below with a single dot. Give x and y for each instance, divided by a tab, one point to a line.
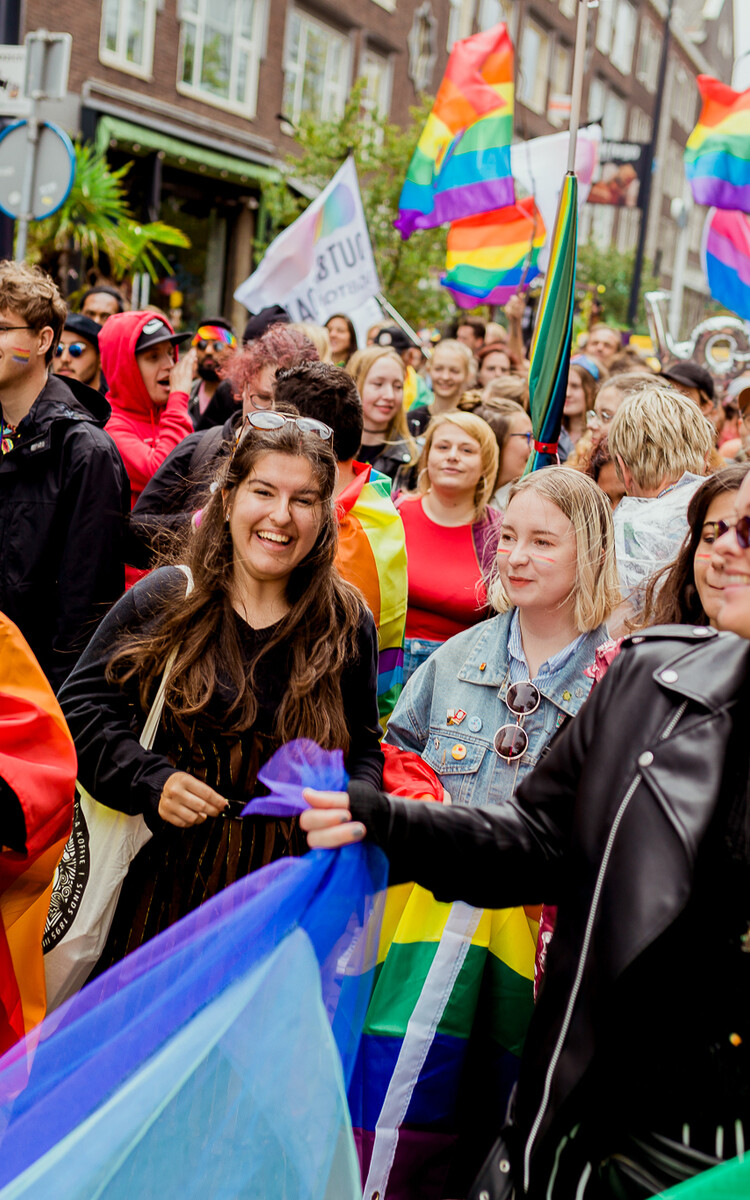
27	187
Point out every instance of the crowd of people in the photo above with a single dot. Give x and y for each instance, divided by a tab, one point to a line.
286	534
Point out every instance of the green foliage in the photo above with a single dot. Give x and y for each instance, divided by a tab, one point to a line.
96	220
614	270
409	271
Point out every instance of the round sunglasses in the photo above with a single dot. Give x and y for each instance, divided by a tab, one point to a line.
741	529
512	741
269	419
75	349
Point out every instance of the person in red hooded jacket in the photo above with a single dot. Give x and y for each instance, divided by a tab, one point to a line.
148	393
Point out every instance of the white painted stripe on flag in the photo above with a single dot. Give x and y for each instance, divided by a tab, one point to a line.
420	1033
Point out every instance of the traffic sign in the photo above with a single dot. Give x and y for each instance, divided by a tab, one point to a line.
53	175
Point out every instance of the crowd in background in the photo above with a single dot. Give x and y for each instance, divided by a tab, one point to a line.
281	533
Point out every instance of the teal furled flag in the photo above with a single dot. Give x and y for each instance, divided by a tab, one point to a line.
553	333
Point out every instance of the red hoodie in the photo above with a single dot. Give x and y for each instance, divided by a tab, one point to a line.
144	433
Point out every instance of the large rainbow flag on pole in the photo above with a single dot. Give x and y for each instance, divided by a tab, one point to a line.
490	256
37	781
725	251
461	165
717	155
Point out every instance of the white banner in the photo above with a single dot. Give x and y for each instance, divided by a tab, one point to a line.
539	167
323	263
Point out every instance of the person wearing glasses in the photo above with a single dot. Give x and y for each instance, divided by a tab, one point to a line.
177	488
634	1076
272	645
64	492
214	343
515	678
77	353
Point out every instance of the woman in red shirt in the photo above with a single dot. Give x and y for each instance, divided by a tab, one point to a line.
451	534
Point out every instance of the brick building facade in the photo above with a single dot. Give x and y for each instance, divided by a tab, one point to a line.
201	95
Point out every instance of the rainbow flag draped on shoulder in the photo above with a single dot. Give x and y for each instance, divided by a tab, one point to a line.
717	155
372	555
461	164
37	781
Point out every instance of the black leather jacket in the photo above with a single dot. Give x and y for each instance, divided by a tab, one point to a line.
608	826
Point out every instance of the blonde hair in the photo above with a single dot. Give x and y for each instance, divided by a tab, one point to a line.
359	366
456	347
659	434
508	387
480	431
318	335
596	590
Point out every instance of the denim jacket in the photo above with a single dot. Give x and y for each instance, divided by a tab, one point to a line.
471	672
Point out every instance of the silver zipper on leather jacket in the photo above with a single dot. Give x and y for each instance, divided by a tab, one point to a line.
583	956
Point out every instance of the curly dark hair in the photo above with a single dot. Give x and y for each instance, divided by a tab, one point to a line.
320	627
328	393
671	595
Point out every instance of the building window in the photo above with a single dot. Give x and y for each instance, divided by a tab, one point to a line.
316	68
126	37
559	84
376	97
640	125
623	42
493	12
602	224
647	62
460	20
422	43
220	51
605	24
533	66
684	97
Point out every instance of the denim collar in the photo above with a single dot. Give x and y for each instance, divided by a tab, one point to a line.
487	664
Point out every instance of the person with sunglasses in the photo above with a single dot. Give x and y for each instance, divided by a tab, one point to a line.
77	353
634	1076
214	343
515	678
272	645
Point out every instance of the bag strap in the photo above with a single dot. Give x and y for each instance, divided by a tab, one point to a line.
153	719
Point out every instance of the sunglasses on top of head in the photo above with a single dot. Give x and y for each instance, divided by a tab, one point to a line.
269	419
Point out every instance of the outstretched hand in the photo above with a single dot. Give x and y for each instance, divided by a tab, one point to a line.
328	821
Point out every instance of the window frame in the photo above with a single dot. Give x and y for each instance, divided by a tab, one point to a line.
256	45
115	58
308	19
540	72
372	108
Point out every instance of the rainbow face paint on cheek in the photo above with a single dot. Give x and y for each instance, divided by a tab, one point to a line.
541	558
19	355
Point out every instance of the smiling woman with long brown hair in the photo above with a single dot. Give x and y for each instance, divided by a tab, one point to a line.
271	644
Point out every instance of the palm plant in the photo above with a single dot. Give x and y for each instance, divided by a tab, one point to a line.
96	220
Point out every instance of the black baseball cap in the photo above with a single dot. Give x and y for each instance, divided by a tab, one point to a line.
260	322
395	338
83	327
155	331
690	374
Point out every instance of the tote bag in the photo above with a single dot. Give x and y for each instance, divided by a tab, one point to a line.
99	851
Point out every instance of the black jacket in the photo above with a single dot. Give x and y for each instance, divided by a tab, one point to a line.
64	497
609	826
176	490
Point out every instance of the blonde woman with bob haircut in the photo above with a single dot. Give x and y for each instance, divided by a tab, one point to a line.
387	445
660	442
451	534
519	675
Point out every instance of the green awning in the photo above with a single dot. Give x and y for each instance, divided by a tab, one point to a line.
188	155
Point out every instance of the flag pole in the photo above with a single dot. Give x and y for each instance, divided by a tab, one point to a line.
402	323
577	88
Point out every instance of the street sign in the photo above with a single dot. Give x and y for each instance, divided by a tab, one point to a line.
13	101
47	64
53	175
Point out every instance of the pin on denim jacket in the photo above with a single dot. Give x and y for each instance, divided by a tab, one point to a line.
471	672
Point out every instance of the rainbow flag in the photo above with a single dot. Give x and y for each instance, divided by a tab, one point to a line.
553	333
38	771
492	255
372	556
461	165
717	155
725	252
453	986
